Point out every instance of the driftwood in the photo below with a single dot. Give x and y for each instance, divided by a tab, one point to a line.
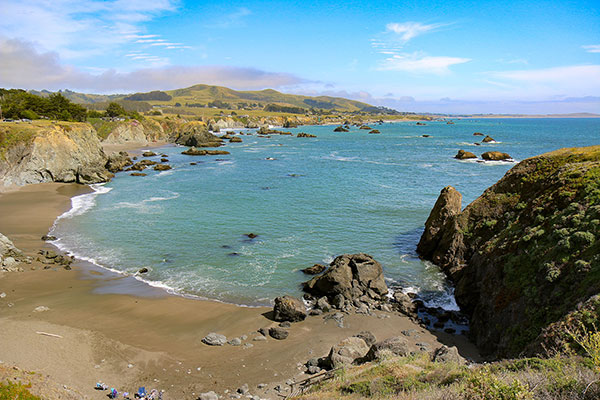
49	334
298	388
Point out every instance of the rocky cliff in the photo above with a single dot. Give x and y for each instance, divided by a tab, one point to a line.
525	254
59	152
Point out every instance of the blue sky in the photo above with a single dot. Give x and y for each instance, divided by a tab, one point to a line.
423	56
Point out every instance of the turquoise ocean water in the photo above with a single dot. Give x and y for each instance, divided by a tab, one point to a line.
315	199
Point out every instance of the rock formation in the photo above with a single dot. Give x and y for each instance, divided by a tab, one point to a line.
495	156
464	155
525	253
196	134
10	256
351	276
61	152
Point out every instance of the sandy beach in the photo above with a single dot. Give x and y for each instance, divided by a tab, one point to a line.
150	339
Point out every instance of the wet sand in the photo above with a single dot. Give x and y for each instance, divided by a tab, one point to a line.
151	339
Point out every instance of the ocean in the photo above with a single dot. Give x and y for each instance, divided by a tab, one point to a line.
307	199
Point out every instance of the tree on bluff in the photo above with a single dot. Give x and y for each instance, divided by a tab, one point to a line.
115	110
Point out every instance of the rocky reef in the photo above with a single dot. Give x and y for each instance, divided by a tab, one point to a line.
525	255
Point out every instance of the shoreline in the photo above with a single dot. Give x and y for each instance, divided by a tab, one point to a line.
149	338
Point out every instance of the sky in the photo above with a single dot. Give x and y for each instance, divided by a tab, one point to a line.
510	56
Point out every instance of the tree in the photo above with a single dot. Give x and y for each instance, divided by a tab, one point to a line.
115	110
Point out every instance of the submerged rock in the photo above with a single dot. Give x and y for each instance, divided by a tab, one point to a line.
195	152
315	269
340	129
306	135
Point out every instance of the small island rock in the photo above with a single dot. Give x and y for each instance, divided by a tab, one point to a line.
464	155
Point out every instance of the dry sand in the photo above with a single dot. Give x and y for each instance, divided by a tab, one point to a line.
151	339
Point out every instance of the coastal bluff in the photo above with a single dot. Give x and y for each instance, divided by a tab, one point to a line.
525	255
51	152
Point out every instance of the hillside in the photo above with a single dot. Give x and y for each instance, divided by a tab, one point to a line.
200	99
524	255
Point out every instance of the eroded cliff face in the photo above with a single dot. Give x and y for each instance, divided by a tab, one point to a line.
61	152
134	131
526	252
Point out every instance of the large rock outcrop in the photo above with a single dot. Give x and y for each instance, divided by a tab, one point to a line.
196	134
525	253
61	152
352	276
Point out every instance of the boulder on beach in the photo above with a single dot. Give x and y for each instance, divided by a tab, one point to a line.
148	154
488	139
48	237
214	339
347	351
464	155
315	269
278	333
397	346
352	276
495	156
288	308
448	354
404	304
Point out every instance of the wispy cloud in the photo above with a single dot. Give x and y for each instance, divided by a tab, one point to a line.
77	29
235	18
410	30
419	63
592	48
24	67
572	80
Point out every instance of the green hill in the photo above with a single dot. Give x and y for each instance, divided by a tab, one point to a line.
190	100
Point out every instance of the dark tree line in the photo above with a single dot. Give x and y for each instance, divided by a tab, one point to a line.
18	104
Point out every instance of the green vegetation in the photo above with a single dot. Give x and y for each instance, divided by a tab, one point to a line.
155	95
16	391
527	253
285	109
564	376
18	104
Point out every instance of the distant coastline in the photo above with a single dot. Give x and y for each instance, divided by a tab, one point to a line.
571	115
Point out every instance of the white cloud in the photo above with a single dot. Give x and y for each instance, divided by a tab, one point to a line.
232	19
81	28
410	30
418	63
23	67
592	48
572	80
